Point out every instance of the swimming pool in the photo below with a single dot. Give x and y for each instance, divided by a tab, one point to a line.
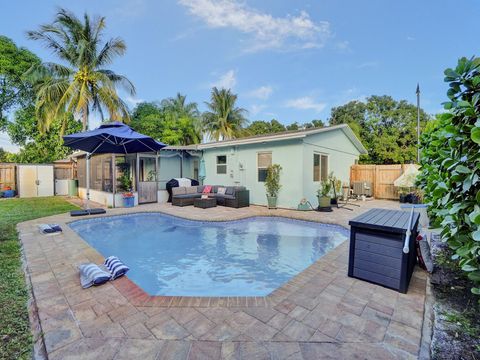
177	257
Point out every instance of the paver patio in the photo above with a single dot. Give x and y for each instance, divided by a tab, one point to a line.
319	314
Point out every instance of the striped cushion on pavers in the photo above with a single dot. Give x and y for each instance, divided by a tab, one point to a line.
91	274
115	266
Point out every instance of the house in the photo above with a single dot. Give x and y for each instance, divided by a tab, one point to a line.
306	158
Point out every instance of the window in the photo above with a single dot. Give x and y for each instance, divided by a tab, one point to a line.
264	160
320	167
222	164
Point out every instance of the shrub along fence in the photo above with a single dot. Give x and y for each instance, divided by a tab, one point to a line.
381	177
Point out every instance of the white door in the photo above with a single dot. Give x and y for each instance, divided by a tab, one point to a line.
45	182
27	177
35	180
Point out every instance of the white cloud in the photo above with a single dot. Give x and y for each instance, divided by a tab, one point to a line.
265	30
263	92
133	101
305	103
226	81
256	109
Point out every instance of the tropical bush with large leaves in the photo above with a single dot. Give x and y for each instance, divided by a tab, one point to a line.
450	163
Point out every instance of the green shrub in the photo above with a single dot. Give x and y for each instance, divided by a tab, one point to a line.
451	167
272	181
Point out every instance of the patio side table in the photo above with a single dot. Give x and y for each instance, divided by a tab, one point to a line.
205	203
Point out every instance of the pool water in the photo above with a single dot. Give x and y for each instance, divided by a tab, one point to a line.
176	257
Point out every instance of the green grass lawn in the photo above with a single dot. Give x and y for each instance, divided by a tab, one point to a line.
15	335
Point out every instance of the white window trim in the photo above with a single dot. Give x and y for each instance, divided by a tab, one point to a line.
320	167
217	164
257	168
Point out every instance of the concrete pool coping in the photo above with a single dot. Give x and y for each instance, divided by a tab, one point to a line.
319	311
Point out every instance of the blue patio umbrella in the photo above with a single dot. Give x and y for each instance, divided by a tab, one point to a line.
202	173
114	137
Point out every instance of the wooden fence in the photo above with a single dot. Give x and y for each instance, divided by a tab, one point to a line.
381	177
8	176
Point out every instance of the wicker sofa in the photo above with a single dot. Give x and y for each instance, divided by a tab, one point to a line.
235	196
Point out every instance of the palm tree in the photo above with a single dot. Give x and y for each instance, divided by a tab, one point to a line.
179	106
223	120
81	83
186	117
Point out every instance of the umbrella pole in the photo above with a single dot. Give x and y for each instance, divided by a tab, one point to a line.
87	206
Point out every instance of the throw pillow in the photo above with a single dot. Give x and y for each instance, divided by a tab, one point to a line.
91	274
207	189
116	267
221	190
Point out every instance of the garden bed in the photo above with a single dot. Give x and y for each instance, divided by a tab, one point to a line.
456	322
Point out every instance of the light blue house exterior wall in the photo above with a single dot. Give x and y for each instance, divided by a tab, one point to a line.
169	164
341	152
296	158
242	169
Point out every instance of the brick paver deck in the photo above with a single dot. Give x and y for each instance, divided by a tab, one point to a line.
319	314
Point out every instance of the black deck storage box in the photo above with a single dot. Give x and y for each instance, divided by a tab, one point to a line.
376	248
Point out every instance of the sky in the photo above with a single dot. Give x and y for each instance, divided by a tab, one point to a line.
288	60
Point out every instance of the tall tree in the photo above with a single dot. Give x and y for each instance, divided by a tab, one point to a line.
386	127
39	146
260	127
224	119
173	125
5	156
81	83
352	113
178	105
14	89
293	126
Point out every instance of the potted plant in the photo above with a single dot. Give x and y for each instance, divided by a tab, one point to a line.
403	191
337	184
323	193
126	185
272	185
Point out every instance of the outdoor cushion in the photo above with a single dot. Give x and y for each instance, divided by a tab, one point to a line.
91	274
230	190
178	190
191	189
200	188
221	190
115	266
187	196
50	228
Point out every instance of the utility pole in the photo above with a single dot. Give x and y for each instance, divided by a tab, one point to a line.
418	123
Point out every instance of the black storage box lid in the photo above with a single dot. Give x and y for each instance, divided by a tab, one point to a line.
393	221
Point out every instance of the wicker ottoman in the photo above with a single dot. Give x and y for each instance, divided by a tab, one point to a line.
205	203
